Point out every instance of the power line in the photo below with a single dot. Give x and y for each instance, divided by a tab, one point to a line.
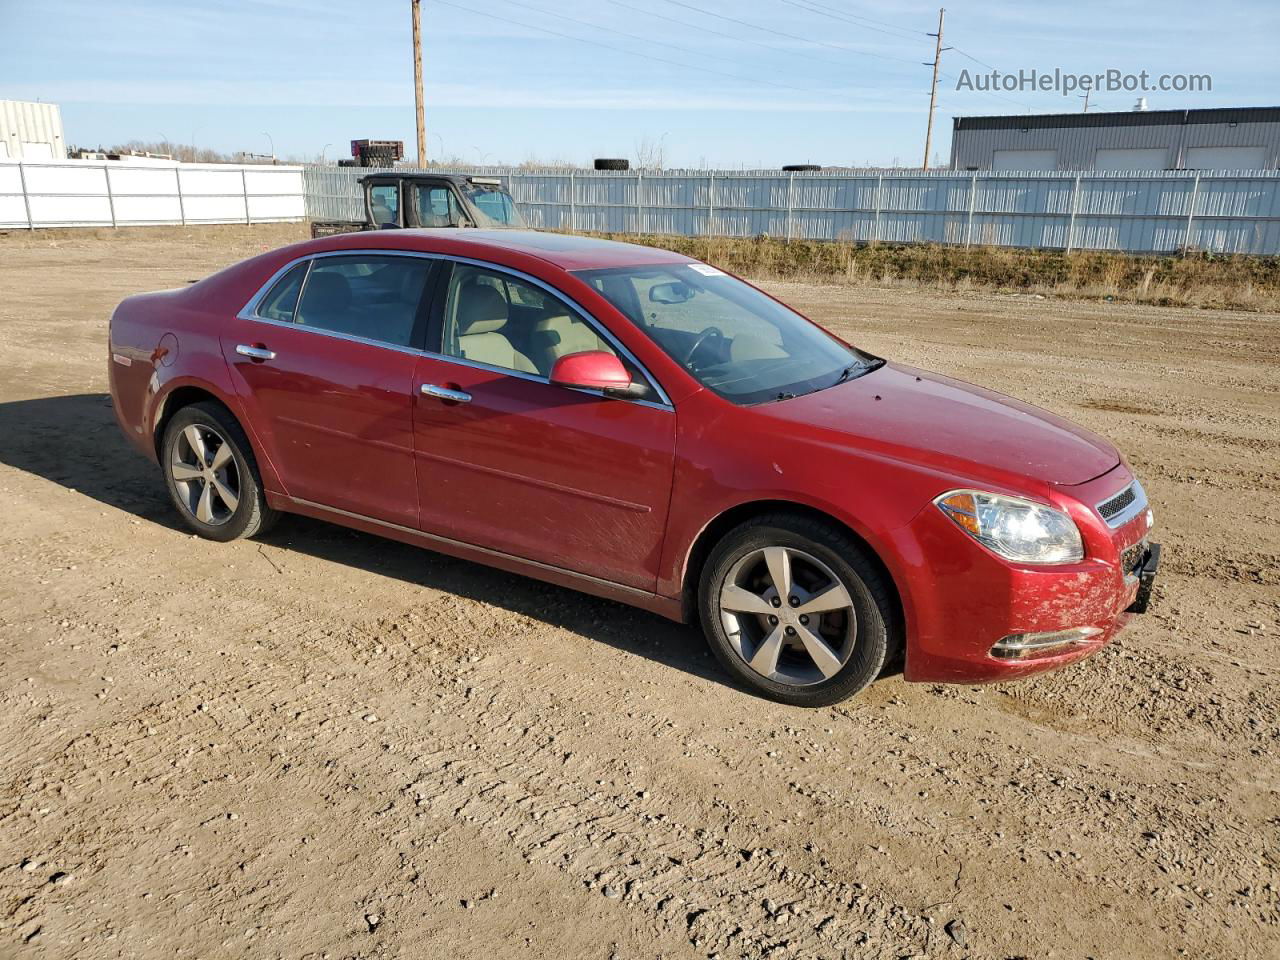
688	66
714	33
862	23
786	51
489	15
621	33
859	16
851	18
790	36
981	63
988	93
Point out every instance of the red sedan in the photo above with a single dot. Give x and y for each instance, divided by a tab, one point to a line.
641	426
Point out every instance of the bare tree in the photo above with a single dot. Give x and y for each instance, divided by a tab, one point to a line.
649	153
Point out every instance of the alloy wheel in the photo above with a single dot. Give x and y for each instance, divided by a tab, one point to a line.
205	474
788	616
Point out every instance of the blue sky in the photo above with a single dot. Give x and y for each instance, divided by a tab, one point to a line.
823	81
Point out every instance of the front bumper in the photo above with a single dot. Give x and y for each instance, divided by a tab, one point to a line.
964	601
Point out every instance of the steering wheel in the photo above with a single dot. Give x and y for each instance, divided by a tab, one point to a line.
710	333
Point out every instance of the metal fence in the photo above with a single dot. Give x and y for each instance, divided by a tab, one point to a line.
78	193
1141	212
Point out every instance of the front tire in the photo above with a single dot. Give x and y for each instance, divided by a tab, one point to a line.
795	610
212	476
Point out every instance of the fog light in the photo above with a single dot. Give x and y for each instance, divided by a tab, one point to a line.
1022	646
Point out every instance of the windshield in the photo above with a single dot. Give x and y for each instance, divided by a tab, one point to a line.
495	205
732	338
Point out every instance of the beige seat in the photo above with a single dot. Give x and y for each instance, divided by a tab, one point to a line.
481	313
555	336
747	346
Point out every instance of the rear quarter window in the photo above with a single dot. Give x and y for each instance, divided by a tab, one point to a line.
281	301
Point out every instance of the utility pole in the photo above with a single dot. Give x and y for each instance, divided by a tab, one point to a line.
933	90
417	82
1085	98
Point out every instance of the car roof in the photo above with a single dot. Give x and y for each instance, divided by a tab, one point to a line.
459	178
566	251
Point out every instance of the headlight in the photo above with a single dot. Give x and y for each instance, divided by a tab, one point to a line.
1014	528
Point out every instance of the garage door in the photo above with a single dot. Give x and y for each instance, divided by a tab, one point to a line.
1146	158
1226	158
1024	160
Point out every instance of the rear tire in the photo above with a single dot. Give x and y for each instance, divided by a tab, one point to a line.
212	475
822	638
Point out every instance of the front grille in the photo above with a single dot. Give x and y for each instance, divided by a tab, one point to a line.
1124	506
1116	505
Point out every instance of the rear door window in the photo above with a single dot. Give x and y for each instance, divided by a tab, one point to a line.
376	297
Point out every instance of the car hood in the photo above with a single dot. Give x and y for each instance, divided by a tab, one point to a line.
933	420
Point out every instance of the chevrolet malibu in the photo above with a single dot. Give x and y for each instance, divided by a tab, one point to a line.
641	426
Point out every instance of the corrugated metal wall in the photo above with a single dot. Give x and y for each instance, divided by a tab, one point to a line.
1138	213
1077	146
24	122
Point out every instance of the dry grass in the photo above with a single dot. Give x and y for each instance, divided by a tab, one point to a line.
1205	280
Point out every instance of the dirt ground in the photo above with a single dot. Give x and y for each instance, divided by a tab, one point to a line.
323	744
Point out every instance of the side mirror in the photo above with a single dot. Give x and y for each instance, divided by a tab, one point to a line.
595	370
675	292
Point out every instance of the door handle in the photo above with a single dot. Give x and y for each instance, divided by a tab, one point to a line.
255	353
445	393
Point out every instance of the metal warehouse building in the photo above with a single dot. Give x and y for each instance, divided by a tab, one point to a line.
31	131
1234	138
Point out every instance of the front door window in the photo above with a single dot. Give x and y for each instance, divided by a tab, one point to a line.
384	204
437	207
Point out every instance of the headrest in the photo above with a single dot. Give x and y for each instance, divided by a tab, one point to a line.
482	310
328	290
556	321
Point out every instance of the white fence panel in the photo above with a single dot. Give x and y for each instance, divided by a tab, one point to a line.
13	204
117	193
52	210
145	195
62	179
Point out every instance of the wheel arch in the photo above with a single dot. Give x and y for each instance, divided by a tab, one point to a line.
177	397
734	516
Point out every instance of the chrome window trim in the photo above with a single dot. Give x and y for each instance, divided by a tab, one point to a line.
250	312
1128	513
338	335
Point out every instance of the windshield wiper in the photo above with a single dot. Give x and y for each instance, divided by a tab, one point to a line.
859	368
783	396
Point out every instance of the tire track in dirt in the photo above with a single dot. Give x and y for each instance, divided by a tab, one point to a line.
741	900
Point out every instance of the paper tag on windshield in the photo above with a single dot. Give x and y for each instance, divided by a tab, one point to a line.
706	270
